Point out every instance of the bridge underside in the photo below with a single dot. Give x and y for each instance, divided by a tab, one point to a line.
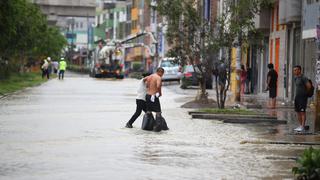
56	10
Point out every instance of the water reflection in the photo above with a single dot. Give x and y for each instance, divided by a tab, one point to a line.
81	135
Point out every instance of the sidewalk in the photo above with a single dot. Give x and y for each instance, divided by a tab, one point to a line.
279	134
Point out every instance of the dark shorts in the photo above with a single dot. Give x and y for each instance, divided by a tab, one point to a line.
153	106
300	103
272	92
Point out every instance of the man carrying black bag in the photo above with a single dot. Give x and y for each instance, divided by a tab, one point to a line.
154	84
140	101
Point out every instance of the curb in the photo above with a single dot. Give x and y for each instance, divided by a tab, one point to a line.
228	116
236	118
247	121
280	142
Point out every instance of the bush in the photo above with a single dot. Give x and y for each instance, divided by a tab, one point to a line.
136	67
18	81
137	75
309	165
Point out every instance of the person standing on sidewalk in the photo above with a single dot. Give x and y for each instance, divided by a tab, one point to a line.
243	78
55	65
301	98
272	79
44	68
62	68
140	101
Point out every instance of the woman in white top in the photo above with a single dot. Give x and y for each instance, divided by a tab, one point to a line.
140	101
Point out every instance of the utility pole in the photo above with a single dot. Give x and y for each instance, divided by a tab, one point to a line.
235	63
156	33
238	72
72	30
88	39
317	85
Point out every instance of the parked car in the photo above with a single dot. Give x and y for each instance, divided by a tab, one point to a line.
171	70
189	78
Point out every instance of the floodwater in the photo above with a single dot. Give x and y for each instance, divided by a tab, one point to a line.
74	129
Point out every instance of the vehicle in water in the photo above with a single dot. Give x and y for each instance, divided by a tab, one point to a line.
106	63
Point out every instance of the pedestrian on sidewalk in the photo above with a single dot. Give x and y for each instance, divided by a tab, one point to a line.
44	68
248	81
62	68
140	101
301	98
243	78
272	80
49	65
55	65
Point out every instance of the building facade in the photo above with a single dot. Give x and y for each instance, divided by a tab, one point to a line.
311	19
281	26
290	39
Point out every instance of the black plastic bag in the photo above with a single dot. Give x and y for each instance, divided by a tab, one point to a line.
148	122
164	124
157	127
160	124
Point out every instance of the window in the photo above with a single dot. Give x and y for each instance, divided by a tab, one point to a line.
135	3
134	24
129	12
153	16
309	1
277	18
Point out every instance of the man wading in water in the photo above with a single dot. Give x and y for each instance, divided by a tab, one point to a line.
154	84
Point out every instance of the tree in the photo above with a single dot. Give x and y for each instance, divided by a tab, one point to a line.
186	34
235	27
24	33
197	40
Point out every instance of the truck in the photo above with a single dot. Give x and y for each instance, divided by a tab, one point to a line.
106	62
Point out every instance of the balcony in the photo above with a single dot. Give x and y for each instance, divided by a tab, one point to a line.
79	8
262	20
289	11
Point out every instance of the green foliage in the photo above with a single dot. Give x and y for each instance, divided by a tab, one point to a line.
136	75
184	24
228	111
24	33
19	81
309	165
136	67
267	3
195	40
51	43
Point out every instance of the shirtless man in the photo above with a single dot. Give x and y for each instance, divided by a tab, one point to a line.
154	92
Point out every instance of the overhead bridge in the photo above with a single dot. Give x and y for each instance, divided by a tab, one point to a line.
66	8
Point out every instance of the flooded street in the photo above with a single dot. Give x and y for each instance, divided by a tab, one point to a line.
74	129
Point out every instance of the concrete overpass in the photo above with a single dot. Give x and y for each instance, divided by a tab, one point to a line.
57	10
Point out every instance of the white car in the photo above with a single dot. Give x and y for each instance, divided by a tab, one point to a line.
171	70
